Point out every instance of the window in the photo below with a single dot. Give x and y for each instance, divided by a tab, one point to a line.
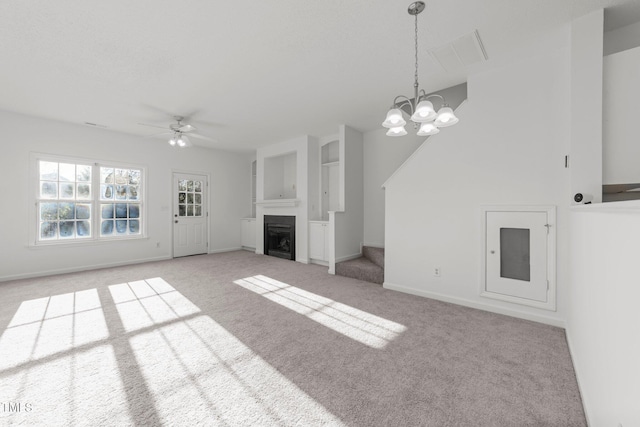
87	201
119	201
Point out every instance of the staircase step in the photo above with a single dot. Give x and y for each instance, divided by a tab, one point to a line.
361	268
375	255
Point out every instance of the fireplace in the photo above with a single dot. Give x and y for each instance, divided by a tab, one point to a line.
280	236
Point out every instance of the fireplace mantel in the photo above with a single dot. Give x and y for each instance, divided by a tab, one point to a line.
278	203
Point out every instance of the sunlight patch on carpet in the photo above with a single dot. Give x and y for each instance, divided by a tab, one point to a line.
63	390
47	326
366	328
199	373
144	303
54	365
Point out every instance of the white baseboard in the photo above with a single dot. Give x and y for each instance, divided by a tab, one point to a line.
248	249
575	369
319	262
219	251
83	268
374	245
474	304
348	257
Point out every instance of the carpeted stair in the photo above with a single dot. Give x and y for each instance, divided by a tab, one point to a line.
369	267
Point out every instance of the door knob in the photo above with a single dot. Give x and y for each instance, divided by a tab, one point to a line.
493	252
176	221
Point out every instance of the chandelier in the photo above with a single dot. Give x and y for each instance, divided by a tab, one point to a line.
419	108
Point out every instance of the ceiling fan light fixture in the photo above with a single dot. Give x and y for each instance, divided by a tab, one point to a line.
183	141
172	142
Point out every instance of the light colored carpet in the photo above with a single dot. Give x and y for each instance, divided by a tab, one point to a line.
369	267
239	339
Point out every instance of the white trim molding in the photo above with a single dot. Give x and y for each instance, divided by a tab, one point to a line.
478	305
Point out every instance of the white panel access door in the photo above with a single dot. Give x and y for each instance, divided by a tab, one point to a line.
520	255
190	229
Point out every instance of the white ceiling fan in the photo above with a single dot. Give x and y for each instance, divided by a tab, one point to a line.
178	132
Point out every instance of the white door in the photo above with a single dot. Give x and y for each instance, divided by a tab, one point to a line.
517	254
189	214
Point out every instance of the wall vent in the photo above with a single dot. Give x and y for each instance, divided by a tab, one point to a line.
460	53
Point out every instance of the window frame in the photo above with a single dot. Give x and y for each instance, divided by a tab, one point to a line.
95	201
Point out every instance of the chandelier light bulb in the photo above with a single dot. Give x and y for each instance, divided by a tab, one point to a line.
397	131
394	119
172	142
427	129
446	117
181	142
424	112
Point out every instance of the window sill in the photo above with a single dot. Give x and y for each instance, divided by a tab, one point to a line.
81	243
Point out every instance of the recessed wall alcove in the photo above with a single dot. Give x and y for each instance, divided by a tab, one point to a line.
280	177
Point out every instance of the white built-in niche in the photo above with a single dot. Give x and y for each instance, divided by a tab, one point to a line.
254	171
329	178
280	177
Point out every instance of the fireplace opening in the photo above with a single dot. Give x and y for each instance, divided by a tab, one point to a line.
280	236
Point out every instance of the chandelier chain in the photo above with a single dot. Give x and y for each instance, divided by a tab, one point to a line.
416	40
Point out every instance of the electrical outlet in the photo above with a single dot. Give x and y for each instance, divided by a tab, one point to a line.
436	271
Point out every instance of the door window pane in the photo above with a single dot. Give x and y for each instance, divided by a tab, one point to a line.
515	251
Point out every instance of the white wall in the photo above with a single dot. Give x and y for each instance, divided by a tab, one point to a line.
603	323
229	194
508	148
348	228
623	38
621	91
280	177
383	155
274	178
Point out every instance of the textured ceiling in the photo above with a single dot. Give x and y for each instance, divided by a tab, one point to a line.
250	74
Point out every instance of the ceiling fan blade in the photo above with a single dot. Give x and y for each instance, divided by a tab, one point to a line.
153	126
158	134
187	128
195	135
